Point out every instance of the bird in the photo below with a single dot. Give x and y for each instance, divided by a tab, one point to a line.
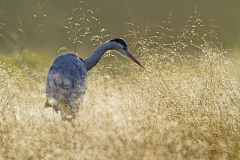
67	77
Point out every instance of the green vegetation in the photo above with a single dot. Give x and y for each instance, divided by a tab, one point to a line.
184	105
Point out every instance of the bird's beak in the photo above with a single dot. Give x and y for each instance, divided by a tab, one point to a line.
130	55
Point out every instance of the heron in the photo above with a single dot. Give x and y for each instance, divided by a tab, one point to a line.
67	77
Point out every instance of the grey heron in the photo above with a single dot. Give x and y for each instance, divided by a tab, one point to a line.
67	77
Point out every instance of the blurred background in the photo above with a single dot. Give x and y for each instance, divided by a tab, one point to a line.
38	31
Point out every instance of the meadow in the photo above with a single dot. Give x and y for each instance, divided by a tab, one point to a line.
183	105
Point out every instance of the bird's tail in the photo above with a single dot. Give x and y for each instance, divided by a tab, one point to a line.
47	104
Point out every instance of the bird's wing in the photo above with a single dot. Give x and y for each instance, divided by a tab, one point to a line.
74	82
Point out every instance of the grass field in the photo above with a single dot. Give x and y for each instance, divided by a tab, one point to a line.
168	111
184	105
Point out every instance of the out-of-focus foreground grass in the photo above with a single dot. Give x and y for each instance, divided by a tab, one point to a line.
181	106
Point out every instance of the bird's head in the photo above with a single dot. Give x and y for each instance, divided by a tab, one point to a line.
121	46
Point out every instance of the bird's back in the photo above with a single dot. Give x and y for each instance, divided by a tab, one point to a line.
66	83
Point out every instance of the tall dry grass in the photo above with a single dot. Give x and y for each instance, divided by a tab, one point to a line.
184	105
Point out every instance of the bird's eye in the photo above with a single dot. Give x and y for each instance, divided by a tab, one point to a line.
125	48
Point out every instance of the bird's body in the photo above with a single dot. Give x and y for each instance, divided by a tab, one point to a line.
66	84
67	77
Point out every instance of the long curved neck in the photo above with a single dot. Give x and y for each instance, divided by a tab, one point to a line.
91	61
